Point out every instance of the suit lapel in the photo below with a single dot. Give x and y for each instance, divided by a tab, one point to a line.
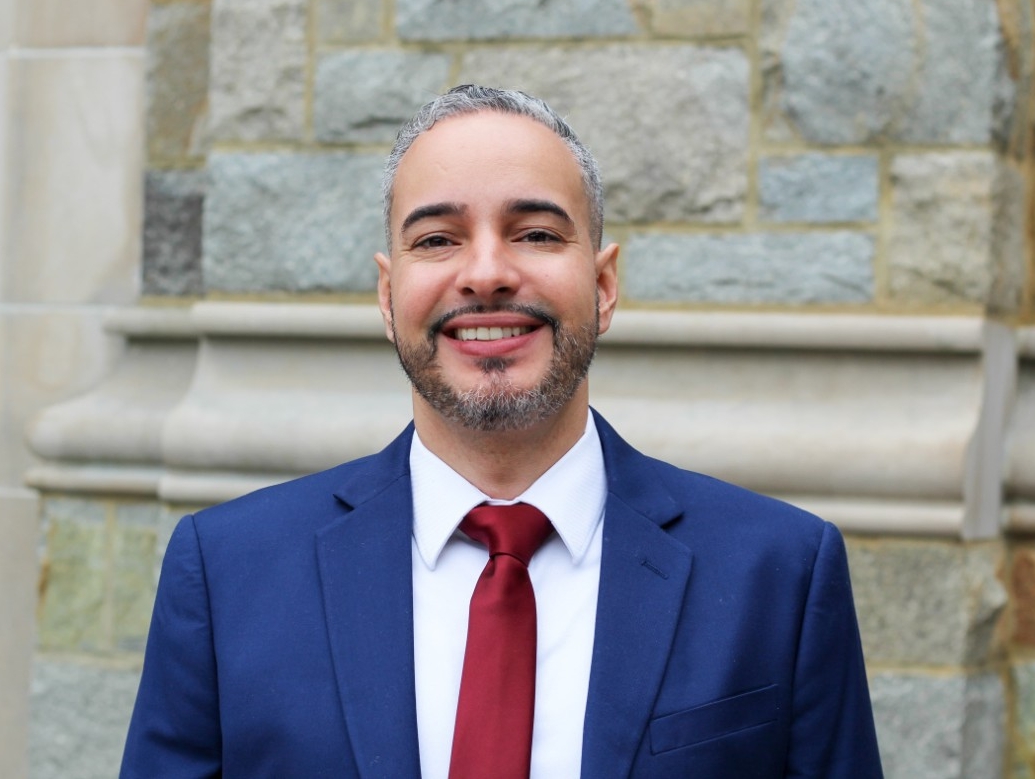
365	572
643	579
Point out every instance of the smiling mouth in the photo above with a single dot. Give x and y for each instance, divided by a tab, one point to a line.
489	333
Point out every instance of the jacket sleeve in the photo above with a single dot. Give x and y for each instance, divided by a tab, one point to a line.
175	732
832	732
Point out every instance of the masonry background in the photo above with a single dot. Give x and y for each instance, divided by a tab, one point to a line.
827	156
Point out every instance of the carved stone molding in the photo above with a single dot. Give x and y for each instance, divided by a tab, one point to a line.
882	424
1019	471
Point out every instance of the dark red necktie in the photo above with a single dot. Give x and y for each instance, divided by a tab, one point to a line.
493	735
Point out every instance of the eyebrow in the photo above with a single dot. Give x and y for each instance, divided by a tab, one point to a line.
534	206
429	211
519	206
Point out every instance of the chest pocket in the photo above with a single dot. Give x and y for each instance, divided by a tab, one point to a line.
714	720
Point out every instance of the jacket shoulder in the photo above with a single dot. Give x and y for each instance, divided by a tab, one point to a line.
712	507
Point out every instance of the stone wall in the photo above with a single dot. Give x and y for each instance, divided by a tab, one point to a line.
71	154
791	153
823	207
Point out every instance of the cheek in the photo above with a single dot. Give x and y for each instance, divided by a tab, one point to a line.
413	304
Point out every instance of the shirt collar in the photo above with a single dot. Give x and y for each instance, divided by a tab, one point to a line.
571	493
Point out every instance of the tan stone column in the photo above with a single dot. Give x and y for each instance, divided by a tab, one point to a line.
18	517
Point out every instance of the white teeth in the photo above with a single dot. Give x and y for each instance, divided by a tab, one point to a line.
489	333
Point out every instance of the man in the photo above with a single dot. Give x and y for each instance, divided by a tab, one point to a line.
327	627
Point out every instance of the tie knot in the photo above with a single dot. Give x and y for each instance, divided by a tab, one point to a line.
517	530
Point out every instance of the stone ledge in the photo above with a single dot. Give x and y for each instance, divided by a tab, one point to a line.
883	424
843	332
288	320
115	479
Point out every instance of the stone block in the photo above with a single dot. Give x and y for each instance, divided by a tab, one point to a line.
918	72
442	20
18	582
173	207
695	18
1023	747
939	727
56	23
292	222
940	242
177	80
133	585
790	268
74	613
1009	255
147	514
669	125
927	602
818	188
74	179
1017	26
7	16
364	96
349	21
67	509
80	715
1022	597
258	70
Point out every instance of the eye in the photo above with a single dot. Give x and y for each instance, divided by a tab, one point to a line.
432	242
539	236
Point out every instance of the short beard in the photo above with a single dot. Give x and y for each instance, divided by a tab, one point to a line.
499	405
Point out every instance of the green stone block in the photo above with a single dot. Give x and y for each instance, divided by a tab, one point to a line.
72	603
133	585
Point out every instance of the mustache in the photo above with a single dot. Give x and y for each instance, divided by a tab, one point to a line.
535	312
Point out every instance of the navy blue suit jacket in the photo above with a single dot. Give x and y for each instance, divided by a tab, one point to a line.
726	642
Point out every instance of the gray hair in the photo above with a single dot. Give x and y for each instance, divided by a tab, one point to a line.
470	99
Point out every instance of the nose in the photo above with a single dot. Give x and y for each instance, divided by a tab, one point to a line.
488	269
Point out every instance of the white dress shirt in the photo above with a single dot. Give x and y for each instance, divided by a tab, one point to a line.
565	575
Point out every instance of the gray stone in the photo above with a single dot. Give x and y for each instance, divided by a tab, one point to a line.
835	267
842	71
258	70
939	727
132	586
818	188
1009	255
349	21
927	602
940	242
1024	718
177	80
1012	106
365	96
79	717
441	20
669	124
292	222
74	608
700	17
56	509
142	514
173	204
960	74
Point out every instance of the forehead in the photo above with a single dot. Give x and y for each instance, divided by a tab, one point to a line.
487	157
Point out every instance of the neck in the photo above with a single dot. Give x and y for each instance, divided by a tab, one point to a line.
502	464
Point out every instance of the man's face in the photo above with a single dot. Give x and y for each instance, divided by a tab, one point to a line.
494	294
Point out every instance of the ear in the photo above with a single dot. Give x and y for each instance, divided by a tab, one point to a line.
606	264
384	291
